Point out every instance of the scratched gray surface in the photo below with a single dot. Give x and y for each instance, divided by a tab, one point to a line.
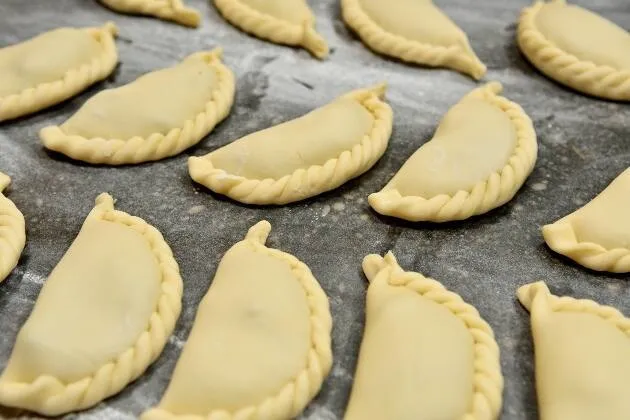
584	144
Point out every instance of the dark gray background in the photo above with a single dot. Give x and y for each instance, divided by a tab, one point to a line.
584	144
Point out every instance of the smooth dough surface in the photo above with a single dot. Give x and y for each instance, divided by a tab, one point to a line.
473	140
598	39
293	11
45	58
582	360
93	306
310	140
154	103
173	10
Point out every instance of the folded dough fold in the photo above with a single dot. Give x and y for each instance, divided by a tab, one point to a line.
582	358
173	10
102	317
260	343
289	22
12	231
481	154
597	235
158	115
425	354
53	67
593	59
303	157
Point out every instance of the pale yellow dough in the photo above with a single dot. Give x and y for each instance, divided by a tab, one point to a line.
480	155
289	22
53	67
302	157
582	356
416	31
597	235
426	354
12	231
173	10
260	343
158	115
102	317
577	48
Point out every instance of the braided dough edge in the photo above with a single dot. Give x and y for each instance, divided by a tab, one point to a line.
173	10
384	42
291	400
49	396
157	145
306	182
273	29
531	295
74	80
12	231
487	377
496	190
584	76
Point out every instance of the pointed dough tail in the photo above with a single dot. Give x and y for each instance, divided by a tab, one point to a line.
5	180
314	42
373	264
527	293
259	232
363	94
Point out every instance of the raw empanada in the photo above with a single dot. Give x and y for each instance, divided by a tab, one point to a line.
582	356
173	10
12	231
302	157
260	344
481	154
156	116
415	31
597	235
102	317
426	354
288	22
53	67
577	48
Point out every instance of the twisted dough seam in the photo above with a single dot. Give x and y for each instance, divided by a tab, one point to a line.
157	145
487	378
12	231
74	80
494	191
50	396
306	182
585	76
291	400
273	29
457	57
173	10
535	294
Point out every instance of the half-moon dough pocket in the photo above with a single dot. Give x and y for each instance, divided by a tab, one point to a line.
101	318
481	154
425	354
289	22
577	48
156	116
12	231
260	344
173	10
597	235
53	67
302	157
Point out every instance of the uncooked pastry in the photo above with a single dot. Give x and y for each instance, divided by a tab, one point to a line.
415	31
260	344
288	22
302	157
53	67
173	10
426	354
156	116
597	235
593	59
481	154
102	317
582	354
12	231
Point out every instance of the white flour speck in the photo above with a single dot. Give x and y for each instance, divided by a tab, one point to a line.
339	206
539	186
325	210
196	209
